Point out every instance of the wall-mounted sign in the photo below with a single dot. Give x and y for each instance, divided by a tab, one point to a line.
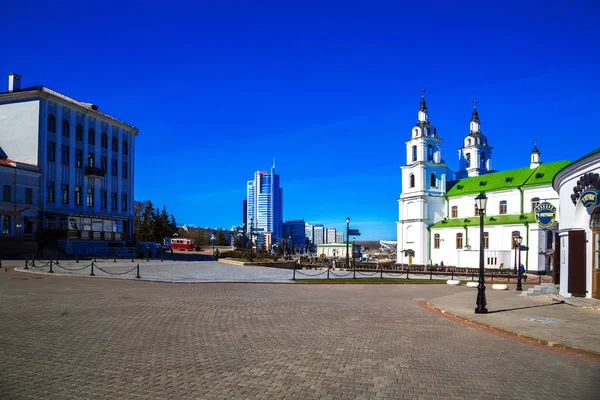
590	198
545	215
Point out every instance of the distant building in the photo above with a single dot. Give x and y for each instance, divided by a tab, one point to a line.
86	161
308	232
244	214
265	203
318	234
295	230
339	237
338	250
331	235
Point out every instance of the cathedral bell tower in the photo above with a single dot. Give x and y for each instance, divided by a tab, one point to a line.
475	157
421	203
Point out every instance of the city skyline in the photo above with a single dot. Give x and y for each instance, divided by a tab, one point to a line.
218	91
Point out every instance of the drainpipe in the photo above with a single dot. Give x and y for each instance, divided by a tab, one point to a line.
522	198
447	207
466	235
527	244
429	245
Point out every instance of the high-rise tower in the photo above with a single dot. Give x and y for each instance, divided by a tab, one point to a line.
265	203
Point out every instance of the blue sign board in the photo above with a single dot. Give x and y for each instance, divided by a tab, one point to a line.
353	232
545	215
590	198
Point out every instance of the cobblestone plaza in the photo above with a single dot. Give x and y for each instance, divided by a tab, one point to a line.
72	337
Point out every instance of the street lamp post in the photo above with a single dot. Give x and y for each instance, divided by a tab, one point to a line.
347	242
515	234
480	202
519	240
251	231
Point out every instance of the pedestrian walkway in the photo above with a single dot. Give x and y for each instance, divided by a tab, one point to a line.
550	320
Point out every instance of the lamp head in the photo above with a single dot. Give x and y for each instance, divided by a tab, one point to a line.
519	240
481	201
348	220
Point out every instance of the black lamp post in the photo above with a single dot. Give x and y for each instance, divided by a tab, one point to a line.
518	241
347	242
480	202
251	231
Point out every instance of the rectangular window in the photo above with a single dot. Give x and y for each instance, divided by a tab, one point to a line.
459	241
113	201
91	137
64	154
104	140
77	195
115	144
113	167
90	197
103	199
78	158
503	207
28	195
6	193
454	211
476	211
5	224
125	169
64	193
124	202
486	240
103	163
91	159
436	241
50	192
51	151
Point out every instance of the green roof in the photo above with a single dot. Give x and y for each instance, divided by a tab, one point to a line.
511	179
505	219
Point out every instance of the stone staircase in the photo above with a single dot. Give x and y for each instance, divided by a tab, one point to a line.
544	288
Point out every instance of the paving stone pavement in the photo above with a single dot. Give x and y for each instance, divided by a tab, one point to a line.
69	337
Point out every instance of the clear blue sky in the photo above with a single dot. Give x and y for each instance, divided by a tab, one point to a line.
331	89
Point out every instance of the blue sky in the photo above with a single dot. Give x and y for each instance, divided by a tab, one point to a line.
329	88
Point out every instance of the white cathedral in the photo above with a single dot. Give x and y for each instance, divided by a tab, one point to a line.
438	221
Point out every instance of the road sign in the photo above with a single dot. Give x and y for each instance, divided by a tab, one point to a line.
353	232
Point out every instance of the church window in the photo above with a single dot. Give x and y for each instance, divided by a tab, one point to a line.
412	180
482	160
503	207
430	153
436	241
432	180
454	211
414	153
459	240
486	240
534	203
468	160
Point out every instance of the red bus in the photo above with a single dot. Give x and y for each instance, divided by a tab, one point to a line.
183	244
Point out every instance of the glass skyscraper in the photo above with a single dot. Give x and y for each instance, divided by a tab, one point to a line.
265	203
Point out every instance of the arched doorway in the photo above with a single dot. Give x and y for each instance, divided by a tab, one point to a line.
595	227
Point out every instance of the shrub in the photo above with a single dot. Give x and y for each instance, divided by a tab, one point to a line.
231	254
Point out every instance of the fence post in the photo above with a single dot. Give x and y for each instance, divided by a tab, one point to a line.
56	256
381	271
26	267
115	256
92	273
354	270
452	274
33	261
407	272
327	272
51	267
138	271
77	257
294	277
161	258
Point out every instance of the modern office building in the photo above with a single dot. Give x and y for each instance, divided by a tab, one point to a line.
295	229
308	232
318	234
85	158
331	235
339	237
265	203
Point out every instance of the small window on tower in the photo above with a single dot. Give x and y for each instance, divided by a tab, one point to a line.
414	153
468	160
430	153
412	180
482	160
432	181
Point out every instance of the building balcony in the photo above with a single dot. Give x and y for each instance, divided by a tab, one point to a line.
94	172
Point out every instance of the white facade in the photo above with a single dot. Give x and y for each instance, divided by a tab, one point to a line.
579	248
318	234
331	235
339	237
86	160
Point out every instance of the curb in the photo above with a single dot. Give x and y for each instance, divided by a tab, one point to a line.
541	341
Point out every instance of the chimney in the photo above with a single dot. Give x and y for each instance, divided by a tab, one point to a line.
14	82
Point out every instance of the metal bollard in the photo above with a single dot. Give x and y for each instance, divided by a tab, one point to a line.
77	257
138	271
407	271
472	275
56	256
381	272
26	267
327	273
294	277
115	256
452	275
51	267
354	270
161	258
92	273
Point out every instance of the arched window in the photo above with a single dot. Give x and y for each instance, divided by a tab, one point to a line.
414	153
91	137
66	128
436	241
459	240
482	160
51	123
486	240
468	142
432	181
454	211
412	180
115	144
430	153
534	203
409	234
79	132
503	207
104	140
125	147
468	160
